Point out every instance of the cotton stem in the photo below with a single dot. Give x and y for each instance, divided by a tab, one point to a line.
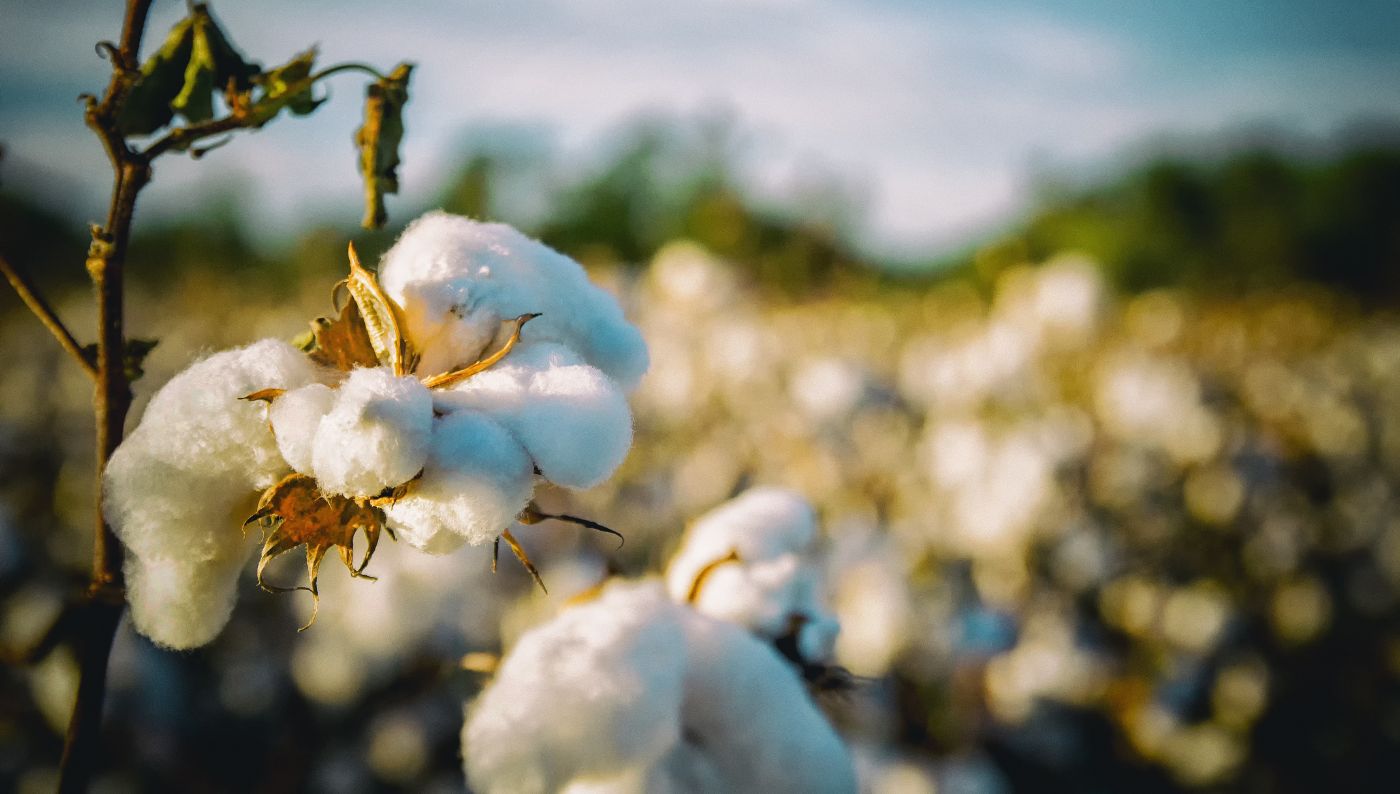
102	608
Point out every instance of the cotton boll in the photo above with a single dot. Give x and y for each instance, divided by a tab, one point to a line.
203	421
454	277
170	487
632	692
182	604
476	481
295	416
772	588
571	418
427	537
376	436
759	525
164	508
759	596
749	719
592	694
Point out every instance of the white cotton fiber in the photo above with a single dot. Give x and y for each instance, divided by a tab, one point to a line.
171	490
748	723
198	451
375	436
295	416
772	588
816	639
182	604
456	279
760	524
761	596
476	481
571	418
592	694
446	335
632	692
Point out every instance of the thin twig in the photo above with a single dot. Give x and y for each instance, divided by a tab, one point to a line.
41	309
181	137
347	67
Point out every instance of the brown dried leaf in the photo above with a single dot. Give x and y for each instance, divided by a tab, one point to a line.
532	514
296	513
342	343
520	555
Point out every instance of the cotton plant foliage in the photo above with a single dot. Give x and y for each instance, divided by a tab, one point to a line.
427	408
634	692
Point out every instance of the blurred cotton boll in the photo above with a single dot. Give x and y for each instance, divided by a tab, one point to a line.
827	389
748	562
632	691
688	277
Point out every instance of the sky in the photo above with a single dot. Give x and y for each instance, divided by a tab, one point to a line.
937	114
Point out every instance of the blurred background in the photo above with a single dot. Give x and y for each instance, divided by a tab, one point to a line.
1078	325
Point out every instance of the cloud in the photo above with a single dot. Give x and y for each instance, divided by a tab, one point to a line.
935	110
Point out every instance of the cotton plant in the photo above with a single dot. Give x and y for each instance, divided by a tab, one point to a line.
658	686
475	363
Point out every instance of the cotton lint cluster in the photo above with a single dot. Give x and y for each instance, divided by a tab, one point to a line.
635	692
476	362
648	688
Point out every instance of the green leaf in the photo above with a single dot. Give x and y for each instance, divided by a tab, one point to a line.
133	356
378	141
214	66
146	107
287	86
196	98
230	69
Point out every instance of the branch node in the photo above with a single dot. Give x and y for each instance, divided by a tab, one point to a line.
108	51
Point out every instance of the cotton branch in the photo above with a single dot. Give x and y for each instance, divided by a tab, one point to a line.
41	309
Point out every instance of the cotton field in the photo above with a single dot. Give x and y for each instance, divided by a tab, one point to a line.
1066	534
